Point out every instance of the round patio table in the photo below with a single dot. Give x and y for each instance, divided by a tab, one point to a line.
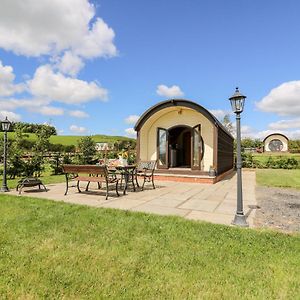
126	172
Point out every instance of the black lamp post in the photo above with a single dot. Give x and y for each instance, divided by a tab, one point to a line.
237	101
5	127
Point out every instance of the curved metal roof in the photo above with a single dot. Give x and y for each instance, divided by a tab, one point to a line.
179	102
275	134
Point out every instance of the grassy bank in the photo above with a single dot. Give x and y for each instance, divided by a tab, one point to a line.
72	139
56	250
278	178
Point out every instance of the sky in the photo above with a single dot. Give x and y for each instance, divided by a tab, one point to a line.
93	67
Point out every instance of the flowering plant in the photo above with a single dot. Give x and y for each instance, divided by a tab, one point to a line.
123	154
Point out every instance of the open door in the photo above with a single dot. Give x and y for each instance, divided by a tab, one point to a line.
196	148
162	148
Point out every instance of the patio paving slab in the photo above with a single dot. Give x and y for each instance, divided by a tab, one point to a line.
160	210
212	203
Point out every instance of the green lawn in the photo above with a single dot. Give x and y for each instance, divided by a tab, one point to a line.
57	250
278	178
263	157
72	139
47	179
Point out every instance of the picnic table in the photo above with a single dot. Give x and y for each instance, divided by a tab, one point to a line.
29	182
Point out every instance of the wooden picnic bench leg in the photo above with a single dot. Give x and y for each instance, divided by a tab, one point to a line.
117	188
126	183
136	180
44	187
144	182
67	184
106	191
132	180
153	181
20	190
87	186
78	186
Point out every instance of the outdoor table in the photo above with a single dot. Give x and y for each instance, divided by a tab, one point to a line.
29	182
126	172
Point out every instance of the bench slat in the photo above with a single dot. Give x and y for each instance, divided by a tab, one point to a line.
90	178
85	169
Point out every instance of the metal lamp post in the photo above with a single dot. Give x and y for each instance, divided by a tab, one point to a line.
5	127
237	101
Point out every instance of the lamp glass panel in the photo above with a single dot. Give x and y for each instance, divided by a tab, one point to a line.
5	126
233	105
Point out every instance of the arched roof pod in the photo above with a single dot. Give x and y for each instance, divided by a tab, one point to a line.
179	102
275	134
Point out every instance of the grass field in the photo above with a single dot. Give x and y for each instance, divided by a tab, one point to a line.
46	179
57	250
278	178
72	139
263	157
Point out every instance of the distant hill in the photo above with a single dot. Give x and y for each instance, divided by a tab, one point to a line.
72	139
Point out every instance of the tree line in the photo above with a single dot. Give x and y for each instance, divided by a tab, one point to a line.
33	128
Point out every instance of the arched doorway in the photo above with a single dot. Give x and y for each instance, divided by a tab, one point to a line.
180	147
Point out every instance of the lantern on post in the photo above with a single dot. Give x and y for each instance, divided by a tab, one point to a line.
5	125
237	101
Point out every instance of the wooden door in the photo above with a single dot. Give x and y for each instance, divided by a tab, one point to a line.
196	148
162	148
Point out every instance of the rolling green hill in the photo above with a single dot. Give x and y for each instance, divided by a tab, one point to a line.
72	139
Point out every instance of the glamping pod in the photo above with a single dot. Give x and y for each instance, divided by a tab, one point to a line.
186	140
276	142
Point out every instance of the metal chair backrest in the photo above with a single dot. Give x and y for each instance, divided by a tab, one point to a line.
148	165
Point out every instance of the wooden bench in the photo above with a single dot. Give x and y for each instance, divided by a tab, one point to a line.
89	173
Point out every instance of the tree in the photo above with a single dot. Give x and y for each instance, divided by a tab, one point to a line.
43	138
228	124
87	149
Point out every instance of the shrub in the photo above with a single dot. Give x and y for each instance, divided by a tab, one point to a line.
57	161
271	163
34	166
87	149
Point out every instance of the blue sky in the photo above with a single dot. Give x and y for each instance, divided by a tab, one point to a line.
93	67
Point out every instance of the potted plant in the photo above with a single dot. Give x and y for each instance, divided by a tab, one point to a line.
123	156
212	171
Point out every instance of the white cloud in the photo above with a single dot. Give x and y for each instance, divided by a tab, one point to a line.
285	124
282	100
130	132
219	113
48	110
48	27
70	64
13	117
7	77
173	91
97	42
78	114
78	129
57	87
132	119
14	103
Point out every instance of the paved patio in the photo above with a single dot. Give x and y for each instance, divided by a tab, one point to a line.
212	203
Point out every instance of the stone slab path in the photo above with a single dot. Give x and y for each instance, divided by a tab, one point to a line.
206	202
